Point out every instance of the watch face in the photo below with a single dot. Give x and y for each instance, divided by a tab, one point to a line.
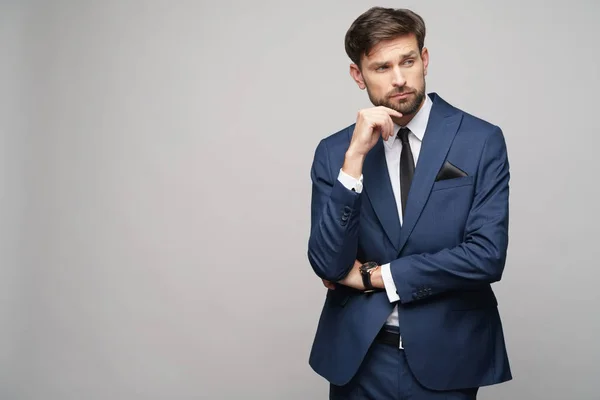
368	266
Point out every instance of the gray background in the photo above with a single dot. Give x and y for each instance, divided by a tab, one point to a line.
154	189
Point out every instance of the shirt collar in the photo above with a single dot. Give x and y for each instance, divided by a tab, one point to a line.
417	125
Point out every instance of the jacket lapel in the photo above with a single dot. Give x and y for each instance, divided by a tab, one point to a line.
443	124
378	188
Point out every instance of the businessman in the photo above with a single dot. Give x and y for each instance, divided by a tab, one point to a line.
409	228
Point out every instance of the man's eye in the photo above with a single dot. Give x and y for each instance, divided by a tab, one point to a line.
409	62
382	68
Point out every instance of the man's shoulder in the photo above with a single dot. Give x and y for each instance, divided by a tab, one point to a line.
474	121
476	132
341	136
469	120
473	128
337	141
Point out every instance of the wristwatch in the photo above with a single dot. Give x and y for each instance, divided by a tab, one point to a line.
365	271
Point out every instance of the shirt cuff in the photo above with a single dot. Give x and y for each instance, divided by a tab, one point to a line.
388	282
350	182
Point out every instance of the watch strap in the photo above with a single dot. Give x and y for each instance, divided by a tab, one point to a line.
365	272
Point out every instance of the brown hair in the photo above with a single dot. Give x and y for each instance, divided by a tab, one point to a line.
378	24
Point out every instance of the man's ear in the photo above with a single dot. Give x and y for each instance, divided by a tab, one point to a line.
425	58
357	76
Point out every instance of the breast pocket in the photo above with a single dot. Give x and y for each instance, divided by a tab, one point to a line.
445	214
452	183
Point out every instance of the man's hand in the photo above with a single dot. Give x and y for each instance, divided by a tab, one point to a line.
329	285
370	124
354	279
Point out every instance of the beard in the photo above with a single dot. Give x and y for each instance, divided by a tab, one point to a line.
407	106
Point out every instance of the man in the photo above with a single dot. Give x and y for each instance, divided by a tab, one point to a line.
409	227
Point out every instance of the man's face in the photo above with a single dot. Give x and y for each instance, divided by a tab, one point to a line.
394	74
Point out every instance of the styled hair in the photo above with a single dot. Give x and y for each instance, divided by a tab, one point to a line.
378	24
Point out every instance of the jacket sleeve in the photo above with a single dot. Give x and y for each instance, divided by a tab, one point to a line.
335	213
481	257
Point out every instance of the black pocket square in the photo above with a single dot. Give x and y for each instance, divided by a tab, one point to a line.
449	171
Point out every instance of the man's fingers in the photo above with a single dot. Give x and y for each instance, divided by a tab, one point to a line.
386	125
383	132
387	128
379	118
391	112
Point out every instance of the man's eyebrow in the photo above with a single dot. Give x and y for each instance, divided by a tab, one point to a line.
377	64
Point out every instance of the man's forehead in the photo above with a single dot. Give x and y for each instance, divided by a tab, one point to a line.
394	48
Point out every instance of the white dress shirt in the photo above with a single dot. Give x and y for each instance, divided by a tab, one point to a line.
393	149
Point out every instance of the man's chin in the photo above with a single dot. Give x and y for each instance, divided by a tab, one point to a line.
398	104
404	109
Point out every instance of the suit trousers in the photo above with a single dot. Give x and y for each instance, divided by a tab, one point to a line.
385	375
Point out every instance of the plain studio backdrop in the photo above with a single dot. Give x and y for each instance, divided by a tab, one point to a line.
155	191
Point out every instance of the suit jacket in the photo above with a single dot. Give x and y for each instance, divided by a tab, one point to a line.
451	247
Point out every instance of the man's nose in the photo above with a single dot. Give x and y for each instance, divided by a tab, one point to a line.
398	78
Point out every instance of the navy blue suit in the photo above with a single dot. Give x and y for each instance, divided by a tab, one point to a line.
444	257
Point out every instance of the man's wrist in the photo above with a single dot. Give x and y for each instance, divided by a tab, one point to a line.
353	163
377	278
372	279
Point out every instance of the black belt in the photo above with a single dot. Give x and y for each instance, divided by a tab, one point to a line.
386	337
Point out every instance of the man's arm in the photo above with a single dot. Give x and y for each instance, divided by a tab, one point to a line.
335	213
335	209
480	259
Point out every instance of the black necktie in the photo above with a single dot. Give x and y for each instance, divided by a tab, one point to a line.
407	167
